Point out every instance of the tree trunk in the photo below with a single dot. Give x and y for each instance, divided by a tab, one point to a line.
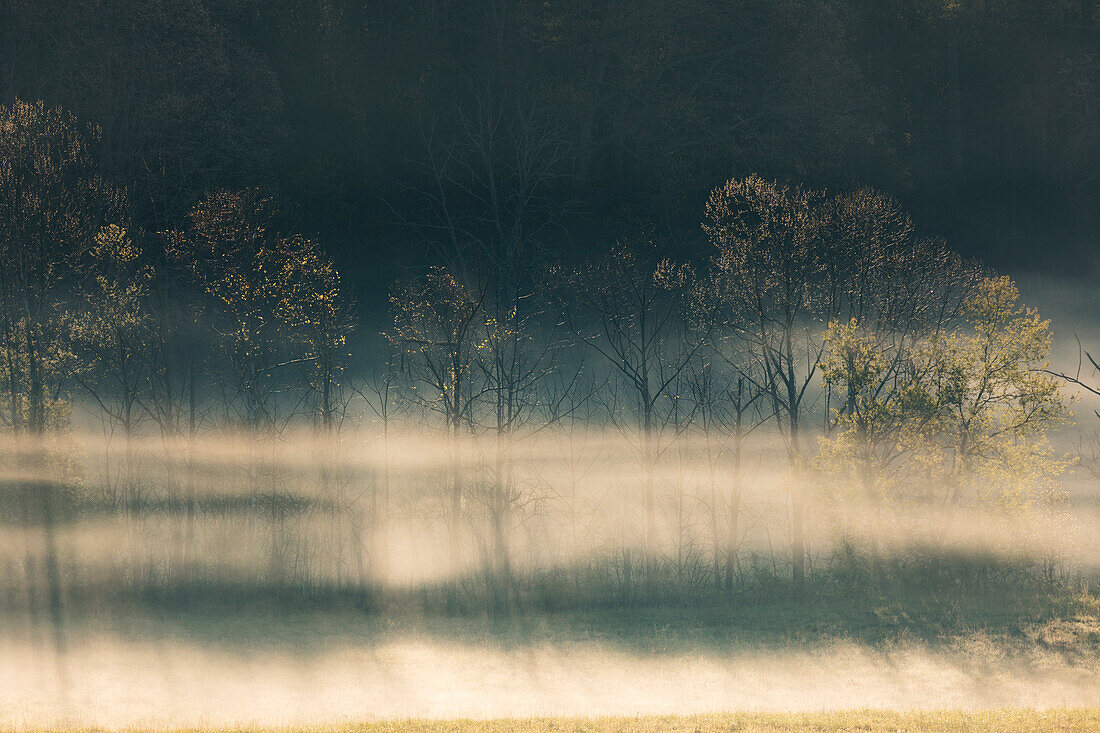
44	488
733	537
649	460
454	518
798	540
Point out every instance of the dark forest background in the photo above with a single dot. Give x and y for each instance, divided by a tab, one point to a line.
382	123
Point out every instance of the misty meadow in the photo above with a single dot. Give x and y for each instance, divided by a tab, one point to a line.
548	365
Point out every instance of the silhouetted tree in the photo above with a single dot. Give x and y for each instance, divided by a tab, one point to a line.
637	310
436	329
52	202
776	276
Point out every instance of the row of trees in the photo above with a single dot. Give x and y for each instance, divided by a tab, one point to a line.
131	322
91	303
889	371
927	368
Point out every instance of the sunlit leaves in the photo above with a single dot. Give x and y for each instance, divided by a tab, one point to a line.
435	329
275	298
968	415
52	202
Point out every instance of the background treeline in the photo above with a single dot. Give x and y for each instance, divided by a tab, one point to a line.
368	116
820	397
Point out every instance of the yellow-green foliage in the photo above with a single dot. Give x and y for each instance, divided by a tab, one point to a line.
231	251
963	417
434	328
856	457
110	329
991	405
121	278
305	287
277	298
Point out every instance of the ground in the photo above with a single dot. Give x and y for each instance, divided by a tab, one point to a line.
1004	661
863	721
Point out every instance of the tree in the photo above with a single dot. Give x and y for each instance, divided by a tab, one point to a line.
639	311
776	277
111	331
790	259
726	411
52	201
436	331
381	391
964	421
896	292
311	301
571	405
517	355
274	302
231	247
863	448
993	404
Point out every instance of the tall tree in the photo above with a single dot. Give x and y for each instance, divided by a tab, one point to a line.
52	202
265	292
436	329
638	310
231	247
963	422
775	275
790	258
993	403
111	331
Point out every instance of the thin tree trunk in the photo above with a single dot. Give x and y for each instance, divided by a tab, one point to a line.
650	503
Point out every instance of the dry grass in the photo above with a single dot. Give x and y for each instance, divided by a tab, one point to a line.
863	721
868	721
1018	663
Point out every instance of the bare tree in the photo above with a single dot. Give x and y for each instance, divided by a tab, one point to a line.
774	274
436	332
486	200
637	310
570	412
727	410
380	390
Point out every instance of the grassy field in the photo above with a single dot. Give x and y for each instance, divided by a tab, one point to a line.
863	721
869	721
1066	622
1032	660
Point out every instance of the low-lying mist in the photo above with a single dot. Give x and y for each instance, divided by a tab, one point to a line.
392	565
247	579
369	513
806	457
323	669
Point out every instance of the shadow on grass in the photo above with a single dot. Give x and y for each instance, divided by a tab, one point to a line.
246	616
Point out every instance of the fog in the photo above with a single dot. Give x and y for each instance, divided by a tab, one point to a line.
530	396
296	512
167	579
129	677
392	565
